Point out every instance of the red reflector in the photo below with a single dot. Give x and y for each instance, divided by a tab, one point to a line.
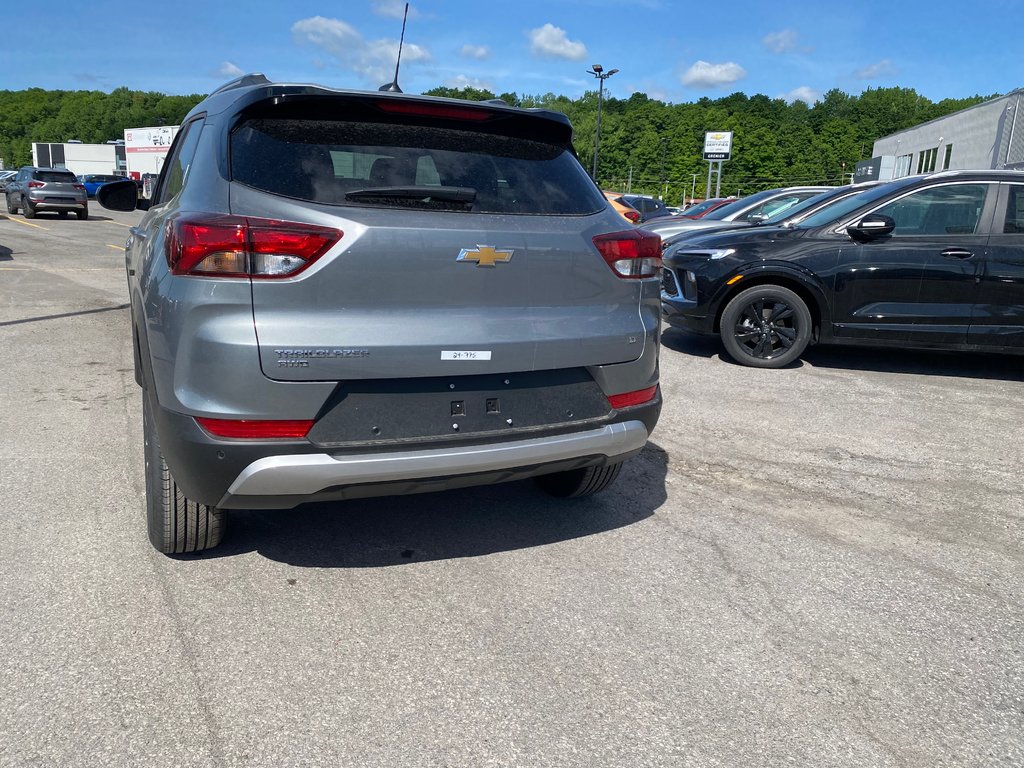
434	110
255	429
633	254
236	246
633	398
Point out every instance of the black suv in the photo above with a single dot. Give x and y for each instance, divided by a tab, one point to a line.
933	261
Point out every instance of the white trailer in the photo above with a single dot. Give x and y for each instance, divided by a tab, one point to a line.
146	148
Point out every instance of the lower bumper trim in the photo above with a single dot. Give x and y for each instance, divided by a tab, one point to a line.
308	474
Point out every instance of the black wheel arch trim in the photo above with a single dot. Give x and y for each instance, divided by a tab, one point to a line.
804	282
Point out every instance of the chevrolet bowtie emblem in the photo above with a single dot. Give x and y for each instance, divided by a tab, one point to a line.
484	255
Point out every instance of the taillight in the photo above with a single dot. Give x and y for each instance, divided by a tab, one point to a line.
256	429
35	184
237	246
633	216
639	397
79	186
633	254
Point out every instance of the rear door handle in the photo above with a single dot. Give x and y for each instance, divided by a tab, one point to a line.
957	253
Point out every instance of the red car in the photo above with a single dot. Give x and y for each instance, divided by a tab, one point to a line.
700	209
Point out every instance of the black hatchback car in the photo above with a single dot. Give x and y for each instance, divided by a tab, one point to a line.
933	261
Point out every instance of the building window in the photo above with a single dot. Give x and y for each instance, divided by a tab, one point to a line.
926	160
949	154
902	166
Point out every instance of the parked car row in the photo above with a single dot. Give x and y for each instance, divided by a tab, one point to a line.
933	261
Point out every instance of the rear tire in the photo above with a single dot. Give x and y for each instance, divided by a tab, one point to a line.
577	483
11	207
177	525
29	211
82	214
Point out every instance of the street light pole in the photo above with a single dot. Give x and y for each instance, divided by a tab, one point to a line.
598	71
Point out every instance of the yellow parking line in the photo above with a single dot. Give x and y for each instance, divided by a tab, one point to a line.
26	223
115	247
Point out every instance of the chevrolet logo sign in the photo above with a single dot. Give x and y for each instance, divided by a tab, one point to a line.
484	255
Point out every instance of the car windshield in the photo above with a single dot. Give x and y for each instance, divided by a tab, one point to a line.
839	209
693	210
738	206
832	196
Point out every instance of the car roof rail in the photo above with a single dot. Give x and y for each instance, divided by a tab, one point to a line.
253	78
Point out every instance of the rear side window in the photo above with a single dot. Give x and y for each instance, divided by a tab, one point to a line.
338	162
55	177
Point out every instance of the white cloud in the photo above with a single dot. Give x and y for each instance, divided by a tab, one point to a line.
461	81
228	69
704	74
552	41
373	59
878	69
803	93
781	41
393	9
475	51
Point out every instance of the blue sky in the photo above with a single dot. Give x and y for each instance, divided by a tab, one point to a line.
674	51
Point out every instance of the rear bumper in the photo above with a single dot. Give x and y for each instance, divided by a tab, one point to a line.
58	205
289	476
281	474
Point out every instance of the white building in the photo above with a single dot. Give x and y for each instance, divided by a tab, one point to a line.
142	151
986	136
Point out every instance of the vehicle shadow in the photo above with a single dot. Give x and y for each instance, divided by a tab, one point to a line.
968	365
398	530
973	365
696	344
6	254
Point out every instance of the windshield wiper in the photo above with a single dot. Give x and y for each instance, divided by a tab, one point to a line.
417	196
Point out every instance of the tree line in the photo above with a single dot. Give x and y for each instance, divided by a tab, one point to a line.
647	146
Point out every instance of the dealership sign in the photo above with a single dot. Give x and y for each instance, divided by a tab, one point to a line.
717	145
149	139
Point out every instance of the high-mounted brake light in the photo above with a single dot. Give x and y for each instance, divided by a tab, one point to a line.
236	246
256	429
633	255
639	397
433	110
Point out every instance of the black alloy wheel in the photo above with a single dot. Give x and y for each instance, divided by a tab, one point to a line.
766	326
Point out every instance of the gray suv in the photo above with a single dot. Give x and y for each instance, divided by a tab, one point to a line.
46	189
339	294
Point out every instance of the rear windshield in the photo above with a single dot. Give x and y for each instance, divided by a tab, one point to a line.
355	163
55	176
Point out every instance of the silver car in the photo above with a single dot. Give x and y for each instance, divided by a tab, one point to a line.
752	209
338	294
46	189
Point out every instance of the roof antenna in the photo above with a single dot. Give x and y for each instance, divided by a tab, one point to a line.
392	87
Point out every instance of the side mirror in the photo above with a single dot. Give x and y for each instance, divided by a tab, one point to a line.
120	196
872	227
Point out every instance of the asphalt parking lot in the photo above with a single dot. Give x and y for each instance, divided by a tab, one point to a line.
818	566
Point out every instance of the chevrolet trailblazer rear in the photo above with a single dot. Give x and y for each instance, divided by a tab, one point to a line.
340	294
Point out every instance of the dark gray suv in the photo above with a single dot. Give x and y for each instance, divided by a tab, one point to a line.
46	189
340	294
